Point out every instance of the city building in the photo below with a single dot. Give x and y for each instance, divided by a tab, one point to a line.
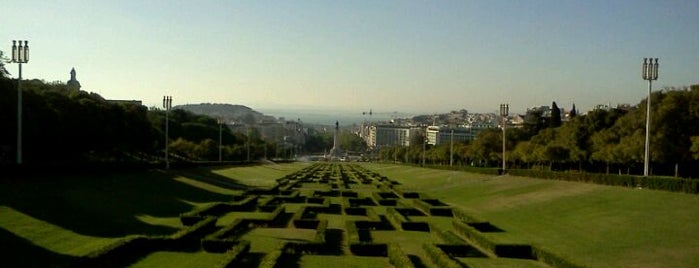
391	135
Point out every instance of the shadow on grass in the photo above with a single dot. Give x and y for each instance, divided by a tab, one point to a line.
289	260
105	206
206	175
333	240
19	252
250	260
417	262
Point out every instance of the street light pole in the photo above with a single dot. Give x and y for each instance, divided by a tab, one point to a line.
167	104
220	139
20	54
451	149
504	111
424	148
649	72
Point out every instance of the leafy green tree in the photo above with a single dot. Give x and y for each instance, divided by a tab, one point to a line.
555	116
4	74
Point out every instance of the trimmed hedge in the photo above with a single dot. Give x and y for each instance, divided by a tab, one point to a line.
270	259
118	254
230	257
439	257
552	259
217	209
132	248
652	182
397	257
398	219
320	231
474	235
225	238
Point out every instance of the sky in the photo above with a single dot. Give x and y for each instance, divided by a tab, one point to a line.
406	56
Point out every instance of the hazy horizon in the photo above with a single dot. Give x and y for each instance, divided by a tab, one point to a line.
406	56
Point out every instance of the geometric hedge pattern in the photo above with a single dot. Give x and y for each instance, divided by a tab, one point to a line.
334	214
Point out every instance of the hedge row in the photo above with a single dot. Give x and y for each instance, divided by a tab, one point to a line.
217	209
398	219
397	257
652	182
512	250
439	257
225	238
270	259
433	206
230	257
474	235
465	217
132	248
320	231
447	236
552	259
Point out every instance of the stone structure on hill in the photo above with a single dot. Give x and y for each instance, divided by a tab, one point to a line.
73	83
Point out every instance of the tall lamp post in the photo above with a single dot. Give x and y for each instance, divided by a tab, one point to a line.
20	54
424	149
649	72
451	148
220	139
504	111
167	104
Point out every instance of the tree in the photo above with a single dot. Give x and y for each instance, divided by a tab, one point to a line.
555	116
4	74
573	113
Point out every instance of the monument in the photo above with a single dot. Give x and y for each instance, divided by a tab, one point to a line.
335	151
73	83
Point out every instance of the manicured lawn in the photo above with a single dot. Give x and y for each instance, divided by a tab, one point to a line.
317	261
269	239
180	259
263	176
594	225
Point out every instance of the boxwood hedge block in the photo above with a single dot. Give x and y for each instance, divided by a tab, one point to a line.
397	257
234	254
439	257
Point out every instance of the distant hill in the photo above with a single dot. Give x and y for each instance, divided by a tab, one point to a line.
229	112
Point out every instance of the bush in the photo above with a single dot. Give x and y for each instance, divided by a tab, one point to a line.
225	238
320	232
651	182
120	253
439	257
231	256
474	235
397	257
270	259
552	259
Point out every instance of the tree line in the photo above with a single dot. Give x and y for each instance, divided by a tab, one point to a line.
62	125
602	140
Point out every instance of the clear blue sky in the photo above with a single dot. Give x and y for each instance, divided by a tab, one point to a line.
408	56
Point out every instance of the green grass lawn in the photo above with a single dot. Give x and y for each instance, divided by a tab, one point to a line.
261	176
49	221
179	259
594	225
317	261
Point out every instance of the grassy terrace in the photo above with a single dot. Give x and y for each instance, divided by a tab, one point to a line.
597	226
51	221
58	220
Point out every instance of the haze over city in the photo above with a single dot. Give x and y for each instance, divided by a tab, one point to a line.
407	56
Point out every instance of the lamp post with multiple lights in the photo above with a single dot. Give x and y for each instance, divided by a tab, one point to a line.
649	72
167	104
20	54
504	111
